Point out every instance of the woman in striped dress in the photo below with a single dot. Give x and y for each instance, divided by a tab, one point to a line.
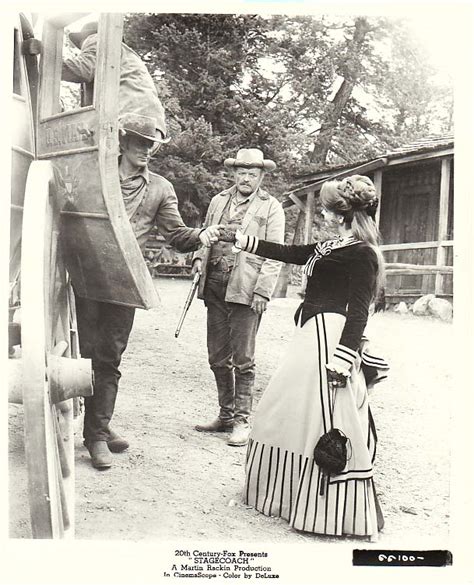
319	383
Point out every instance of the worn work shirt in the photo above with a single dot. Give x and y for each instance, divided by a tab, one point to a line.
234	212
151	200
137	91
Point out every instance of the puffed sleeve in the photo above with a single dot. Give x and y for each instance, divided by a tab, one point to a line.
362	280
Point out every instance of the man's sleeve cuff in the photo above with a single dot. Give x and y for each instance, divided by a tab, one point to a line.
261	295
344	357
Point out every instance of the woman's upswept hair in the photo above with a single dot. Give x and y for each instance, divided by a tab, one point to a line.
356	200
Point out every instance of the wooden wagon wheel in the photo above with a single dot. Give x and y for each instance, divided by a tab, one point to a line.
49	377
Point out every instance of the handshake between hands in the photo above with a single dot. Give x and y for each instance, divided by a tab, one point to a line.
219	233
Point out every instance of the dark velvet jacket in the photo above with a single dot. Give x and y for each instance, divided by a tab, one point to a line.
342	282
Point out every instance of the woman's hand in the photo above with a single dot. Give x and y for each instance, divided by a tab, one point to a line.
240	241
337	377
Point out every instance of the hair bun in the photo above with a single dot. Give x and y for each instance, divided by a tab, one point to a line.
359	192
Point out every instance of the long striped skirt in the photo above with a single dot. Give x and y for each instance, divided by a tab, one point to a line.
296	409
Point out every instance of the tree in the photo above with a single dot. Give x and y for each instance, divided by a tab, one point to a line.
200	63
349	68
230	81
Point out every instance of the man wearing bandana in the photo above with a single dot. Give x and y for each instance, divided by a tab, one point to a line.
104	328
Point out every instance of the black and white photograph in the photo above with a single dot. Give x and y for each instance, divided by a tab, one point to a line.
238	343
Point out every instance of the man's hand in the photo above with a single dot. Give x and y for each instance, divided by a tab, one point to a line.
197	266
259	304
210	235
227	235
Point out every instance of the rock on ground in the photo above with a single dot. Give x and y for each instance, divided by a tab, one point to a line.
420	306
441	308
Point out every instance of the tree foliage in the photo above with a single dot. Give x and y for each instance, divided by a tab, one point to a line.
352	87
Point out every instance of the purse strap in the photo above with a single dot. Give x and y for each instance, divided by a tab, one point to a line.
333	394
332	405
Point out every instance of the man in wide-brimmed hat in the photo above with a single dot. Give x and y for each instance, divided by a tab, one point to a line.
236	288
137	91
104	328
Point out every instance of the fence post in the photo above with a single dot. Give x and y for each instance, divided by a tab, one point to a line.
308	228
442	221
378	189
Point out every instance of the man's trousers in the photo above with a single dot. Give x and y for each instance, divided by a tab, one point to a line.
104	330
231	334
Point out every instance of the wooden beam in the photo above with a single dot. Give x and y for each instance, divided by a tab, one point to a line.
419	267
442	220
299	204
308	224
308	228
50	70
299	223
65	18
378	189
421	156
316	186
415	245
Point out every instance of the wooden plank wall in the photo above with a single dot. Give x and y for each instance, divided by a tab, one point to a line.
410	213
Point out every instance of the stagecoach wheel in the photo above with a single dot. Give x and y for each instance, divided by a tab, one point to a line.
46	325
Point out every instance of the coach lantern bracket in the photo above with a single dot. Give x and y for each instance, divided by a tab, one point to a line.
81	141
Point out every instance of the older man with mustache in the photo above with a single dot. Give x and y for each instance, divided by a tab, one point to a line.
236	289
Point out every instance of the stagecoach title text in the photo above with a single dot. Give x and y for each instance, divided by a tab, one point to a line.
224	564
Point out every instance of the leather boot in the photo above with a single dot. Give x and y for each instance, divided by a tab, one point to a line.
240	434
116	443
216	426
242	408
100	454
225	395
225	392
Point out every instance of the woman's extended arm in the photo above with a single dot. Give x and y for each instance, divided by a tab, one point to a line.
290	254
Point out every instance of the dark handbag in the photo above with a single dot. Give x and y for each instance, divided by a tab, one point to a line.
330	453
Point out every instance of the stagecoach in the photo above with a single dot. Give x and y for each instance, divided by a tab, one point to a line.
67	225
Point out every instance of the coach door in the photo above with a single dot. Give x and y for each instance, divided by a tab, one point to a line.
81	141
23	140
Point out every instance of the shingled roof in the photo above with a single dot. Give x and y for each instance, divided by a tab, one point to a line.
311	181
424	145
427	144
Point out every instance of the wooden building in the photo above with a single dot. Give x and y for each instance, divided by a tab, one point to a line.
415	215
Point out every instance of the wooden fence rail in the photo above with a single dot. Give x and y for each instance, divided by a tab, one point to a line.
393	268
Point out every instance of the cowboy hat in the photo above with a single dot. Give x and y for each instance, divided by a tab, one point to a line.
153	129
77	38
250	158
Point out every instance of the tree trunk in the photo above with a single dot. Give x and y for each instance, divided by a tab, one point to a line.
350	71
329	124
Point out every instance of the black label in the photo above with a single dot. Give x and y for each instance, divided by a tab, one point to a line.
402	558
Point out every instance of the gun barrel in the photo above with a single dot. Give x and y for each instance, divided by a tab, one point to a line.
188	302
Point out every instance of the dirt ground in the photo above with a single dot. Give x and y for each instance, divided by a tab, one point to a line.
175	482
